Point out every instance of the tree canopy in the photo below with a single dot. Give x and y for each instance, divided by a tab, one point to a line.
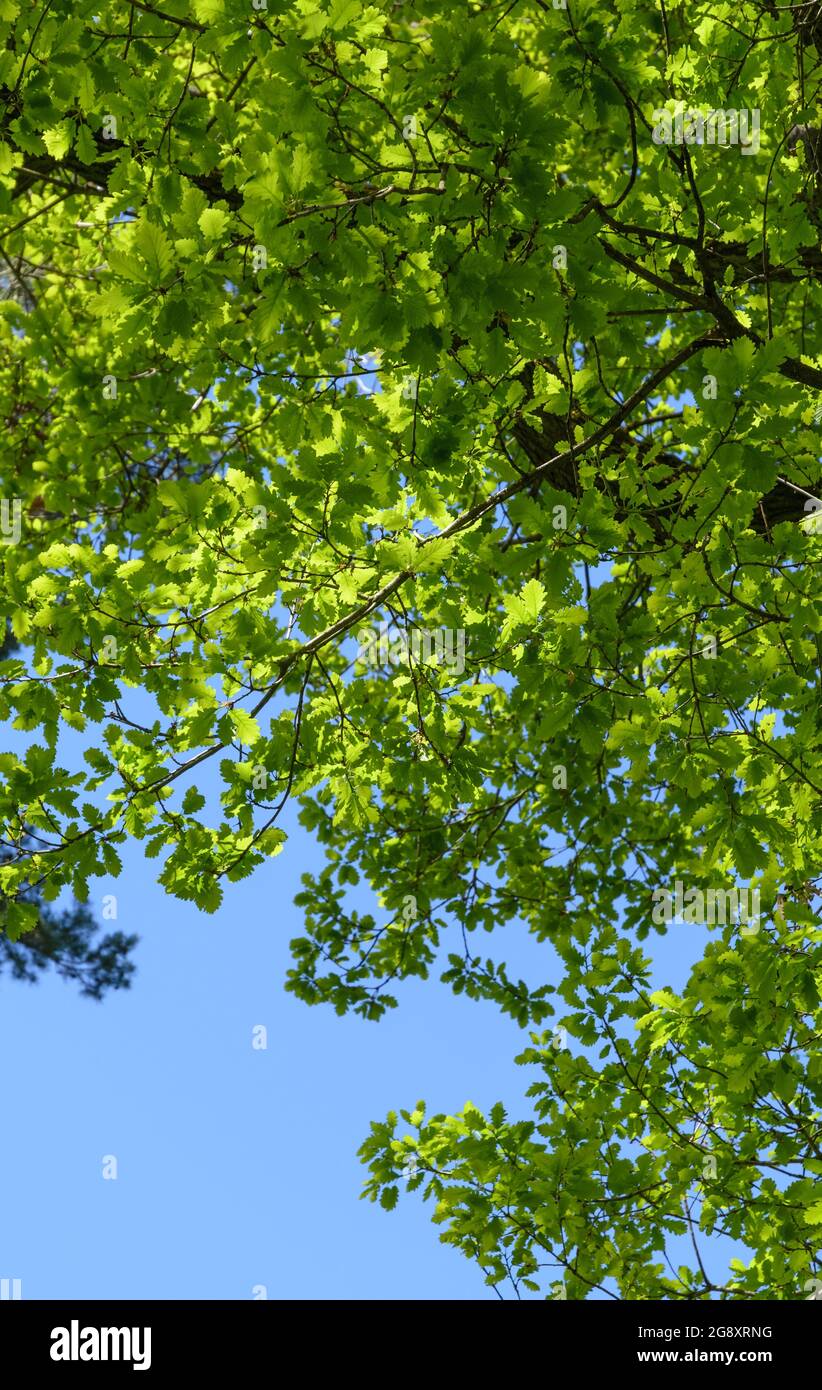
490	330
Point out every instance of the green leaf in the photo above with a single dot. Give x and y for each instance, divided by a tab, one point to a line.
212	223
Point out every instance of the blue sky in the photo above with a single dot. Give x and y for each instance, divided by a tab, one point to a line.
236	1167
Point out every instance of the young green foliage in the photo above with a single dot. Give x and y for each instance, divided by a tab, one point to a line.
329	316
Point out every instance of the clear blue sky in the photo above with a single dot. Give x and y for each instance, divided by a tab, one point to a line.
236	1167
